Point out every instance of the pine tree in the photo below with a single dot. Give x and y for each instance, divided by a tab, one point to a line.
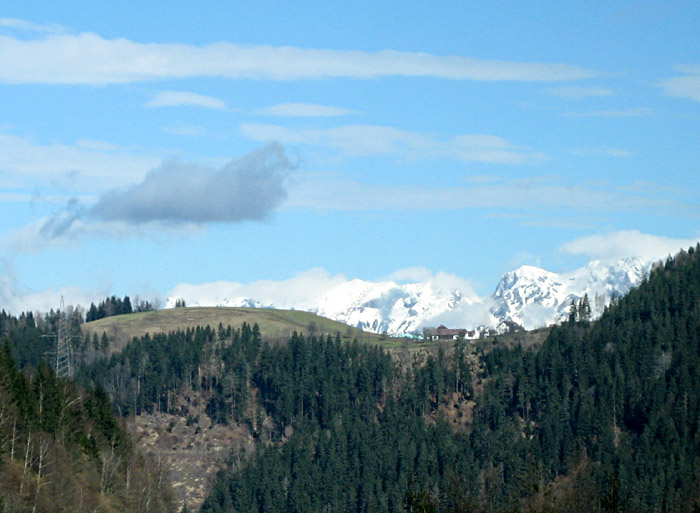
584	309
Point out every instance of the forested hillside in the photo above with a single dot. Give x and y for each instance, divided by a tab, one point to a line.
601	417
62	449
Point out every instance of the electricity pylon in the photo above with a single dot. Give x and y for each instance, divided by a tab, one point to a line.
63	366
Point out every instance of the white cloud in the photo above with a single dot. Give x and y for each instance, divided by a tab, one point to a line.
67	228
90	59
635	112
628	243
475	311
187	130
686	85
303	110
410	275
28	26
45	300
446	281
185	99
334	192
299	291
34	197
306	290
602	152
363	140
16	299
536	316
579	92
524	258
468	315
86	166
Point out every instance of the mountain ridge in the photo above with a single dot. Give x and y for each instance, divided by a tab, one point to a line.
529	296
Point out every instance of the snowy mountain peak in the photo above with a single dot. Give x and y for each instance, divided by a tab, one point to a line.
529	296
533	297
524	276
391	307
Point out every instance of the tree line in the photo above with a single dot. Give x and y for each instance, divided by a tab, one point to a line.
115	306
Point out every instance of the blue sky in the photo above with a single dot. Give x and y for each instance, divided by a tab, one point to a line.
142	148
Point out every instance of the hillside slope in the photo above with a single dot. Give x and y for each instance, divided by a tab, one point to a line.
62	449
597	417
274	324
603	417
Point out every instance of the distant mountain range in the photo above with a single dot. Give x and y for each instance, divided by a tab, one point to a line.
529	296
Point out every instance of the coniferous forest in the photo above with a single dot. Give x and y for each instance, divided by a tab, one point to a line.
603	416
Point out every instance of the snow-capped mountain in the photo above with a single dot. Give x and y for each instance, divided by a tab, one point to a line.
393	308
379	307
529	296
533	297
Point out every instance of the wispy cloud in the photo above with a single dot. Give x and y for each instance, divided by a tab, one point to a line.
303	110
686	85
88	58
602	152
635	112
363	140
298	291
185	99
16	298
627	243
28	26
85	166
410	275
543	219
579	92
187	130
69	226
325	192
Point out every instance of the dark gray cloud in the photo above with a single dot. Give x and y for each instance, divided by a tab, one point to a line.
249	188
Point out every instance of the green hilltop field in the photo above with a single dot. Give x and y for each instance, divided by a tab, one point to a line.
274	324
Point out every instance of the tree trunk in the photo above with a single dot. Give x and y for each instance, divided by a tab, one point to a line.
27	456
